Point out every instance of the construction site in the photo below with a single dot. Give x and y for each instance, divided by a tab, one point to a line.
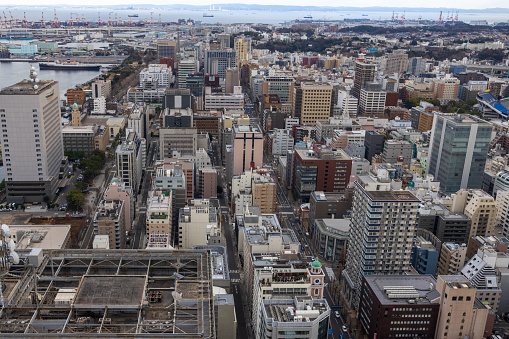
108	293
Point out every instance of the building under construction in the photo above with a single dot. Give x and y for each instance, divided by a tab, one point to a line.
108	293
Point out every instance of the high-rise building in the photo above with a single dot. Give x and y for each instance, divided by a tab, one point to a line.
109	219
480	207
224	40
446	89
315	102
130	159
101	88
185	68
381	233
198	225
396	150
461	314
166	49
458	149
503	211
416	66
247	148
183	140
242	46
253	188
32	143
159	218
397	62
374	143
372	103
232	80
280	85
218	61
364	73
75	96
452	258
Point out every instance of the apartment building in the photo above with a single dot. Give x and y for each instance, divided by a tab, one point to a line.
198	225
130	158
364	73
109	219
452	258
159	213
254	188
313	103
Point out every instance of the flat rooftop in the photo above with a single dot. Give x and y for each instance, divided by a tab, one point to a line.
398	289
26	87
119	293
52	237
392	196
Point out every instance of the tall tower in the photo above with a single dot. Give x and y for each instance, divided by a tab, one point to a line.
76	115
316	276
31	138
364	73
458	150
382	230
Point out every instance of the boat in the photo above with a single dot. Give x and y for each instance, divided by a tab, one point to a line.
206	15
132	15
308	17
68	66
364	15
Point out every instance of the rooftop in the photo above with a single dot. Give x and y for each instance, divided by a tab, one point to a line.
392	196
133	293
334	227
398	289
52	237
303	309
28	87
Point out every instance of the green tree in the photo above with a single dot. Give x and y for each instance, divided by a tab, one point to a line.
2	185
46	199
81	185
74	155
75	198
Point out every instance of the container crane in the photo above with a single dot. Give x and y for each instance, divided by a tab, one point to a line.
42	19
151	18
98	18
57	23
12	19
83	20
109	19
440	18
456	17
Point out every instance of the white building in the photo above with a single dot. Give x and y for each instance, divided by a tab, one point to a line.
186	67
159	218
101	88
198	225
32	144
130	159
99	106
502	211
214	101
348	104
160	73
282	142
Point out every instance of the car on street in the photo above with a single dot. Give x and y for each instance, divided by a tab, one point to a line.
344	328
336	314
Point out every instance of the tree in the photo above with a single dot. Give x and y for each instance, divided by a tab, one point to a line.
82	186
75	198
46	199
2	185
74	155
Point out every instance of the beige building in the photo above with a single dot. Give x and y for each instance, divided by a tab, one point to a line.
109	220
198	225
397	62
46	237
253	188
102	138
480	207
159	213
208	183
452	258
461	314
315	103
115	124
242	48
117	190
446	88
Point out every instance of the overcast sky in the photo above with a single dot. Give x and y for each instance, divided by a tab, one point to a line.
467	4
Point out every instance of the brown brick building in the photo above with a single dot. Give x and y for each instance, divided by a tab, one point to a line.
77	96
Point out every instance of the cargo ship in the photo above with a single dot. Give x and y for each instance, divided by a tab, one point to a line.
132	15
206	15
68	66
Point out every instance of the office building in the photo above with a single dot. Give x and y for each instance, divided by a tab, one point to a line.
452	258
280	142
32	145
348	104
395	151
458	150
79	138
503	211
425	253
320	169
315	103
253	188
242	46
480	207
160	74
381	233
216	101
181	98
280	85
416	66
207	183
324	205
396	62
446	89
75	96
218	61
374	143
448	226
386	311
364	73
101	88
159	218
183	140
282	317
117	190
461	313
247	148
232	80
195	83
224	40
109	219
130	158
185	68
198	225
177	118
166	49
330	238
372	102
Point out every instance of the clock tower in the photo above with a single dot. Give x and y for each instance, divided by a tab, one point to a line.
316	276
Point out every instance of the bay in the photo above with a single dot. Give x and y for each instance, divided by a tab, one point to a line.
13	72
